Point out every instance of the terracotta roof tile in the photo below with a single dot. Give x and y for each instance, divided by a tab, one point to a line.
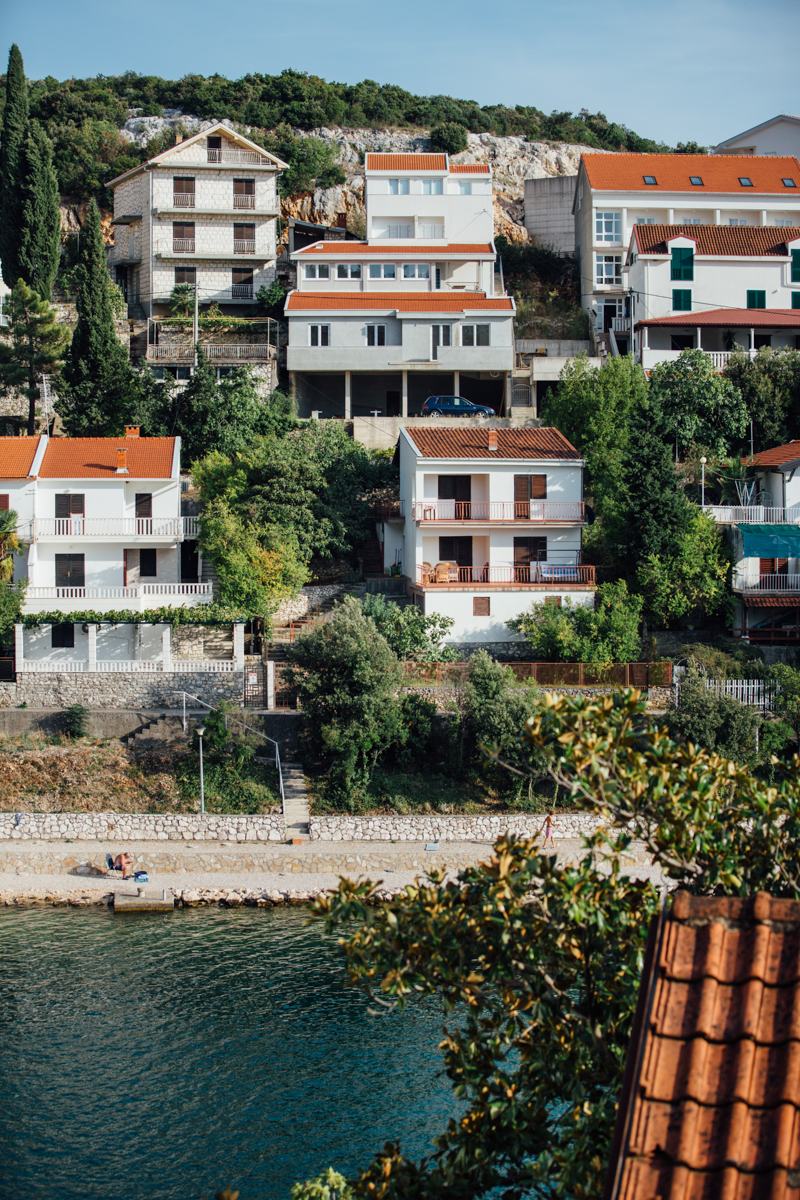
772	602
470	169
473	443
719	172
734	318
713	1107
337	249
16	456
778	455
96	458
739	240
402	301
406	162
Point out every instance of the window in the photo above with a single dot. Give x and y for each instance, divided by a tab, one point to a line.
319	335
440	336
553	601
382	271
62	636
144	505
147	563
693	221
456	550
788	183
431	231
796	266
474	335
242	283
762	341
348	271
316	270
527	552
183	372
464	187
650	180
645	220
70	506
398	187
431	187
70	571
745	182
5	500
376	335
398	231
609	270
608	227
795	299
681	300
244	239
681	341
737	220
244	193
183	193
695	181
183	237
480	606
682	263
756	299
783	224
527	488
416	271
186	275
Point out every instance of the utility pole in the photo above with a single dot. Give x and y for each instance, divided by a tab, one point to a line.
195	326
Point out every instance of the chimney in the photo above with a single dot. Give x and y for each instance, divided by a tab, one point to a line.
178	138
492	435
341	220
122	461
131	431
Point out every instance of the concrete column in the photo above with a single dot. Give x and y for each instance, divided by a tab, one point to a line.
238	643
752	340
92	635
166	648
508	395
348	399
717	216
404	409
456	383
19	647
699	337
270	666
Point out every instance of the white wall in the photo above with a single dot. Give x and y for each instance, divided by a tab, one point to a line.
778	137
103	564
502	607
114	643
717	283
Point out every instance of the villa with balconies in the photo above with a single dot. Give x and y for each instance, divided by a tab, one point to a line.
201	213
489	520
100	523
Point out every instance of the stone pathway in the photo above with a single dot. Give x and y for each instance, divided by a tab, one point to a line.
296	797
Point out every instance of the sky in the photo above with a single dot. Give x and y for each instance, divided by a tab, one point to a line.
699	70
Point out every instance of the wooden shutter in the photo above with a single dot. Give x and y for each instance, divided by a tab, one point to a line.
62	508
77	506
766	566
538	487
447	487
70	570
522	491
480	606
144	504
148	564
5	502
555	601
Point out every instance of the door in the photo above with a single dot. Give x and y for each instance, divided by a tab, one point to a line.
528	552
458	489
393	404
70	571
69	515
144	513
527	488
609	312
457	550
440	337
190	562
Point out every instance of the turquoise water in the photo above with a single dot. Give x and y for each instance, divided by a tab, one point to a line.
163	1057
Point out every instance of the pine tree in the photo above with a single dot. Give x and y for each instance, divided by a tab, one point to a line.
100	387
40	235
12	145
35	346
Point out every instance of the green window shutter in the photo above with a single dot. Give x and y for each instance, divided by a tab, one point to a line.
681	300
796	266
795	299
756	299
683	263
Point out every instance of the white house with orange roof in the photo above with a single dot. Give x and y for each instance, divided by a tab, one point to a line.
414	310
615	193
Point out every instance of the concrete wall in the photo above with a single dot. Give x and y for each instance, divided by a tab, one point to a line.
548	212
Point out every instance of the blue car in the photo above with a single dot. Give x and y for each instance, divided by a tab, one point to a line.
454	406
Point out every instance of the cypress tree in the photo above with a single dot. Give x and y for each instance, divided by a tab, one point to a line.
100	387
12	145
40	235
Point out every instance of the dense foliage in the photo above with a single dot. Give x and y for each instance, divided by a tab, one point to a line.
233	782
606	631
697	403
411	634
12	149
769	384
35	344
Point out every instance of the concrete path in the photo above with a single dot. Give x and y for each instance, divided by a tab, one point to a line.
296	800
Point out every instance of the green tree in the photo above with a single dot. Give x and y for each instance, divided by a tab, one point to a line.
9	543
604	632
12	149
698	403
256	567
450	137
712	721
412	635
100	385
493	711
12	598
346	678
698	577
40	232
35	345
770	387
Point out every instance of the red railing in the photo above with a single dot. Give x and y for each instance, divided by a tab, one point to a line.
499	510
535	575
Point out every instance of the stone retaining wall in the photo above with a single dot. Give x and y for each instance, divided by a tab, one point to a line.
144	827
123	689
445	697
306	601
442	828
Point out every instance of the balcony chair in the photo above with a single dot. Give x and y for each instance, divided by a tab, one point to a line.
427	571
442	572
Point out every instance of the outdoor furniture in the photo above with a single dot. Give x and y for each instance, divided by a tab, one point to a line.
442	570
427	571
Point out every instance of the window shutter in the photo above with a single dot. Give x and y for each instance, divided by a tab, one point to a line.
522	491
555	601
795	299
756	299
480	606
62	509
447	489
796	266
77	506
765	566
148	564
144	504
4	502
538	487
62	570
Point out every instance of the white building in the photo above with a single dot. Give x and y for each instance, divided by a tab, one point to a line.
716	288
100	522
490	520
617	192
778	136
204	213
414	310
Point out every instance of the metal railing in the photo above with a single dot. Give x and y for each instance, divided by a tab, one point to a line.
753	514
242	291
244	201
176	528
244	246
212	708
183	245
256	352
183	199
758	693
754	582
234	156
498	510
535	575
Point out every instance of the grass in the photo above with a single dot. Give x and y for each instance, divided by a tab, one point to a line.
413	792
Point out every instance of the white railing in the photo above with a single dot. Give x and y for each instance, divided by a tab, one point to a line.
621	324
183	245
234	156
752	581
753	514
119	593
183	200
72	528
175	589
498	510
223	666
244	201
243	246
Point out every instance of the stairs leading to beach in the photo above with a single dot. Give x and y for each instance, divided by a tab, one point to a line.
296	800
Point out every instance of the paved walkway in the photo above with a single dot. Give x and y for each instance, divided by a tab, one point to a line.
296	800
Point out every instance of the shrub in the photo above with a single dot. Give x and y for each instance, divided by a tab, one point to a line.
416	729
713	722
450	137
607	632
411	634
75	718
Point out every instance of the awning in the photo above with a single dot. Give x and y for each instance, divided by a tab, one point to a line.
771	602
771	541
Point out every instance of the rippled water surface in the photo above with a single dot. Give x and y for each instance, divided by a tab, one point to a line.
152	1057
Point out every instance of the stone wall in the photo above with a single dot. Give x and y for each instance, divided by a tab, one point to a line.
306	601
145	827
441	828
444	698
123	689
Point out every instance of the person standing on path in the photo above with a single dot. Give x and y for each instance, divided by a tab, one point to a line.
548	831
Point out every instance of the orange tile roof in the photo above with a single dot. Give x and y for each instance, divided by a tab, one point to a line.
338	248
710	1106
719	172
771	602
778	455
741	240
470	169
473	443
96	458
406	162
742	318
16	456
403	301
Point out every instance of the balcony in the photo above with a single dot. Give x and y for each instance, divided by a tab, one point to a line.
244	201
216	666
244	247
754	584
235	156
183	200
754	514
241	291
168	529
218	353
538	575
183	245
719	358
554	511
138	598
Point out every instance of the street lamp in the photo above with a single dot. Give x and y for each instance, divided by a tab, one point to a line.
703	462
200	731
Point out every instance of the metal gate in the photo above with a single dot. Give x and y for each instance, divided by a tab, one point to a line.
520	395
255	685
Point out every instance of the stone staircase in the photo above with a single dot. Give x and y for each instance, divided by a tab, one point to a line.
158	734
138	341
296	801
276	651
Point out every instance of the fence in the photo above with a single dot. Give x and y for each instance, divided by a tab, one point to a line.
756	692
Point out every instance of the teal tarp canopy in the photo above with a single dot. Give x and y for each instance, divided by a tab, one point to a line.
771	541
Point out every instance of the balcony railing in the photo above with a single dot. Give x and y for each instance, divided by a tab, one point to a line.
183	245
244	201
79	528
536	575
220	353
241	291
234	156
203	590
498	510
753	514
243	246
621	324
183	199
755	583
220	666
